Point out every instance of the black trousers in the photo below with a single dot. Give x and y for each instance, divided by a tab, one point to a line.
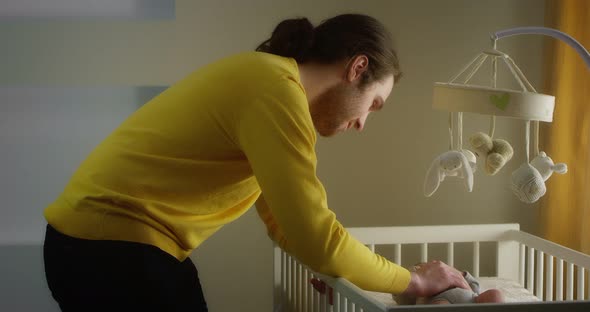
101	275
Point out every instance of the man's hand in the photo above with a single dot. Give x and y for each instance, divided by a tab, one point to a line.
429	279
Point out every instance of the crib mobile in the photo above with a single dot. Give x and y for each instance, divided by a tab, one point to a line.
457	96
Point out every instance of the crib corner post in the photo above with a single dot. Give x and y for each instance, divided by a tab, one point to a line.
507	262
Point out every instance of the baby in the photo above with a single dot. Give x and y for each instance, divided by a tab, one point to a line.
460	295
456	295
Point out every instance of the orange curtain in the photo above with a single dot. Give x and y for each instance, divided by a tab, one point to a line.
565	209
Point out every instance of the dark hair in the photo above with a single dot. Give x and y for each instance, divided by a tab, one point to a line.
335	39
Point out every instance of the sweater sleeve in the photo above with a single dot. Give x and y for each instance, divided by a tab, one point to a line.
277	136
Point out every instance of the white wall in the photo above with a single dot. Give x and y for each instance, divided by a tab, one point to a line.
45	132
373	178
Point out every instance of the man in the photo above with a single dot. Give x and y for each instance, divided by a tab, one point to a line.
236	132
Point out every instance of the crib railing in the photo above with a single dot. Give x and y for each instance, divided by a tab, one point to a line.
299	289
542	264
535	263
506	255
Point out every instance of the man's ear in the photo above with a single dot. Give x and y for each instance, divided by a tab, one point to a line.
357	65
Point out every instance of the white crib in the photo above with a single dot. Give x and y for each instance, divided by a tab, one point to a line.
543	269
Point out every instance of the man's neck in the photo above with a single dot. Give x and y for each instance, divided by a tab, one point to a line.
317	78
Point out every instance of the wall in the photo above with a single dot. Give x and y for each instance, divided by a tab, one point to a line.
373	178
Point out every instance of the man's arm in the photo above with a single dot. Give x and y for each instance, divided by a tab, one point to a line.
280	146
427	280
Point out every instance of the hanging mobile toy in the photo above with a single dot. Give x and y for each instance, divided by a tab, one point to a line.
528	181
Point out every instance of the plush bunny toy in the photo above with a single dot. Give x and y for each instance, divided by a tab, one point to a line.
452	163
544	164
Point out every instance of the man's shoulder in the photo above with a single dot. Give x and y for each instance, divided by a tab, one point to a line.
253	57
260	65
268	74
262	58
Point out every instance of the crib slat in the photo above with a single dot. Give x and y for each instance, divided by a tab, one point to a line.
349	306
570	282
283	278
539	271
277	288
580	294
508	255
559	281
549	288
293	285
398	254
521	261
424	252
372	247
343	304
311	294
296	284
306	291
300	286
326	307
451	254
294	281
288	281
322	303
530	266
304	283
316	301
314	297
476	259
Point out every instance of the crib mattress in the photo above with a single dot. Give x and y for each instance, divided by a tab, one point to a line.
513	291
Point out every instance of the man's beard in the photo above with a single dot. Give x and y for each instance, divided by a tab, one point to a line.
334	108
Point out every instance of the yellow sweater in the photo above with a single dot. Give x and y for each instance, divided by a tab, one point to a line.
200	154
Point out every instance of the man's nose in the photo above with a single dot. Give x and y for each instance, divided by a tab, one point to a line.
360	123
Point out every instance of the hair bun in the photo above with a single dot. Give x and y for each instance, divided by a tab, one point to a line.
291	38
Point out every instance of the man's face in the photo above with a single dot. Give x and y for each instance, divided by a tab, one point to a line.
346	105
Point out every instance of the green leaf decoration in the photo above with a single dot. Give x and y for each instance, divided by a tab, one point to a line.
500	102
